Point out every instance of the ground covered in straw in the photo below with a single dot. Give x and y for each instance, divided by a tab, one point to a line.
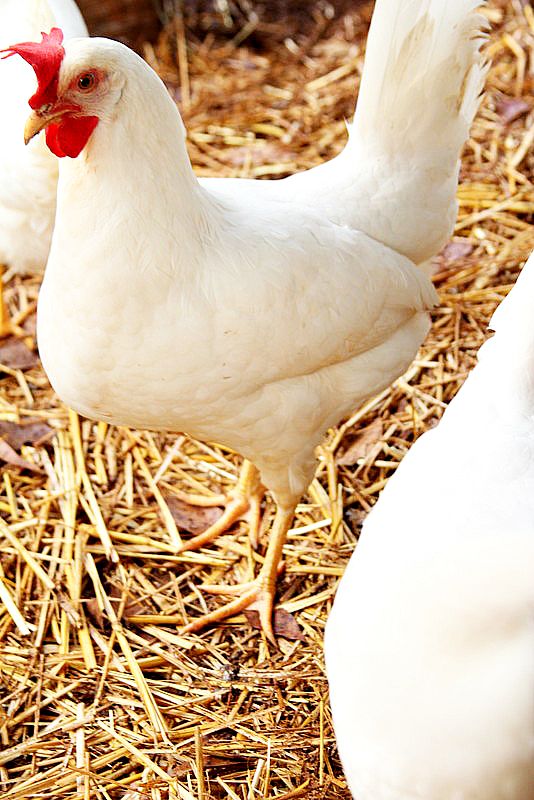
100	696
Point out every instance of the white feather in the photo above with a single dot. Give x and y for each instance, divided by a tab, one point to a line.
396	178
420	90
430	643
28	175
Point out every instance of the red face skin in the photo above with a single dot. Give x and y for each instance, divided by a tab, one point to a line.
69	129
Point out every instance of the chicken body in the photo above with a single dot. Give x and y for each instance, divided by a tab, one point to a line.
260	337
253	314
29	175
430	643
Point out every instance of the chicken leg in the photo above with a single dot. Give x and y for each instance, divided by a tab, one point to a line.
261	591
243	502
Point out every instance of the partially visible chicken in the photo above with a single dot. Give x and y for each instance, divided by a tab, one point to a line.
252	314
430	643
28	175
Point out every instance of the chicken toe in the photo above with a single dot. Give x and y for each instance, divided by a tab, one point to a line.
259	593
243	502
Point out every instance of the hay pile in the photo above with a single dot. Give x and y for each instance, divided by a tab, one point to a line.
101	697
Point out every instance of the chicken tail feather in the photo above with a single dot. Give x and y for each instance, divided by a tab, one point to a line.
423	74
422	81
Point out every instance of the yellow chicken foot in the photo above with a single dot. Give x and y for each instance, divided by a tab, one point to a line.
261	591
243	502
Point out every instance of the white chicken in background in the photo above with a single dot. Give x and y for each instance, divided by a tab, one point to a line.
253	314
28	175
430	643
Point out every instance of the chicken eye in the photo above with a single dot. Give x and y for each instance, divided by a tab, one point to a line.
86	81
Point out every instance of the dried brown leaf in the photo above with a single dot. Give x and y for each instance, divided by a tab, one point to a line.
132	608
221	763
363	444
284	623
193	519
15	354
93	611
511	108
10	456
30	325
454	251
30	432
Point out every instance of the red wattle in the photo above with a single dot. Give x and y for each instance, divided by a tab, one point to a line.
69	136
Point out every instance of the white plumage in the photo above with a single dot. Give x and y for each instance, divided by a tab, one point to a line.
255	314
430	643
396	178
28	175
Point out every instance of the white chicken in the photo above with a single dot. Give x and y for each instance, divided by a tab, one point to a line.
430	643
28	175
254	314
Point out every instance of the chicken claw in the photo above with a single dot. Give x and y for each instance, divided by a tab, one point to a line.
261	591
243	502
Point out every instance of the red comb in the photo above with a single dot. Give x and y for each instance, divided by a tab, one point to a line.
45	57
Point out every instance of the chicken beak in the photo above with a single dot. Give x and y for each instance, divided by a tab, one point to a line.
34	124
37	121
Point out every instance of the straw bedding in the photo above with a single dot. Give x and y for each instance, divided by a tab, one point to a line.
100	696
